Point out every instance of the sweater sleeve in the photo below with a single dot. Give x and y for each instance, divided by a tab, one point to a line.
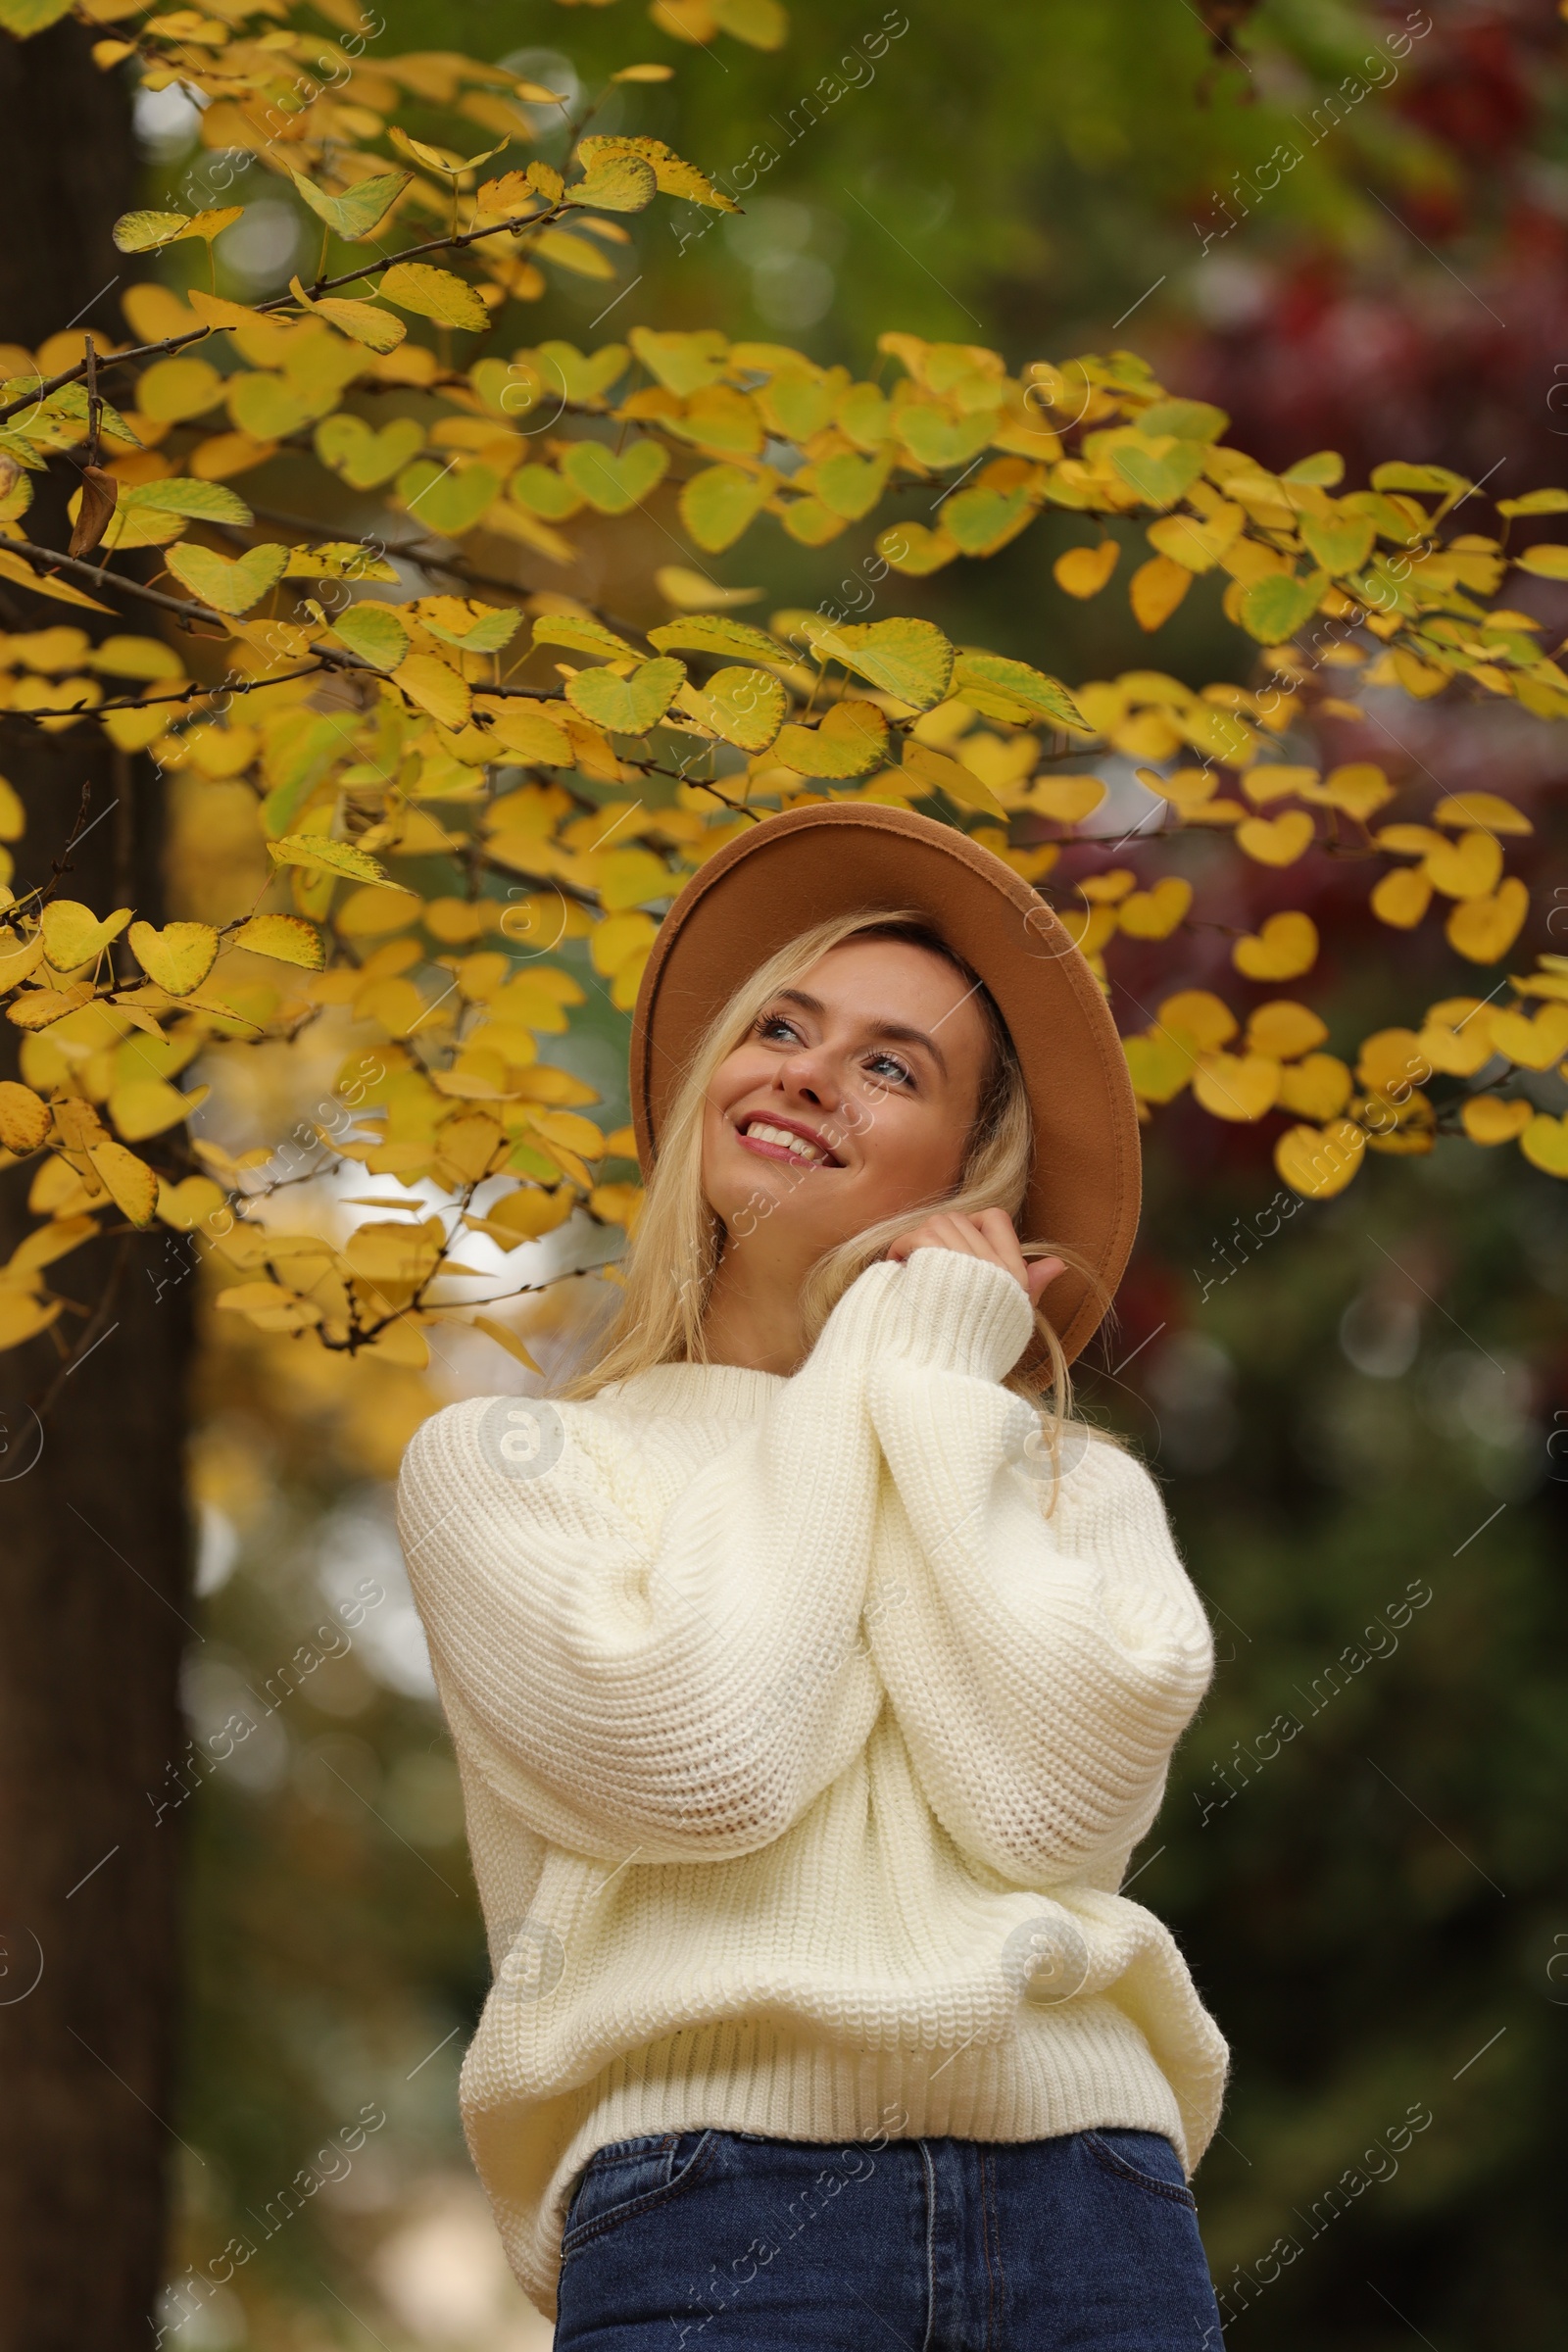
1041	1664
685	1691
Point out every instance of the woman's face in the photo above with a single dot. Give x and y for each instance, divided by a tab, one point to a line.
850	1101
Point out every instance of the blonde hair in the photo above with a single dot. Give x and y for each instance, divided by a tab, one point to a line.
669	1269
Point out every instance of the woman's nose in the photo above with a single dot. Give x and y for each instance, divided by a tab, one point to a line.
810	1077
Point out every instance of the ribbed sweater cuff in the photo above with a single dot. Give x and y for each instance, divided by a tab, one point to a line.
938	1311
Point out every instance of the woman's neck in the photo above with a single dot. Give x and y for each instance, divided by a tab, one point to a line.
753	1313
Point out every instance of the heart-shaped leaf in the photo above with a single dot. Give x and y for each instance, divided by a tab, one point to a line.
1276	840
616	183
1482	930
1155	589
914	550
170	390
363	457
850	486
721	503
1321	1162
1235	1086
1004	689
1274	608
205	502
434	294
228	587
1545	1144
569	375
1161	468
1084	570
1466	868
1338	543
373	632
145	232
614	482
146	1106
286	938
1187	419
851	740
909	659
583	634
72	935
939	440
745	706
266	407
626	706
376	329
361	210
545	491
1199	545
982	519
1284	948
179	958
446	499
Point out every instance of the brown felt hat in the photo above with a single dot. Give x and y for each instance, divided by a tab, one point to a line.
792	871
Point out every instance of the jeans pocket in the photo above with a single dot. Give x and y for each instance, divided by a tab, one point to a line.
1146	2159
631	2176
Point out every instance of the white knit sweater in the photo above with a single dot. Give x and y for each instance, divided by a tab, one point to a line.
804	1749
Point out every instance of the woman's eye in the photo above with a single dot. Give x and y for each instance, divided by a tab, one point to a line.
774	1023
887	1066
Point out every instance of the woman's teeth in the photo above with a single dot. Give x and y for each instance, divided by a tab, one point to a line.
764	1134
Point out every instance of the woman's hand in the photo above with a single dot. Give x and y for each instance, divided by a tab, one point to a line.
990	1236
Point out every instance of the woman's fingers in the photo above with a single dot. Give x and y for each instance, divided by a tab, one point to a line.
1042	1272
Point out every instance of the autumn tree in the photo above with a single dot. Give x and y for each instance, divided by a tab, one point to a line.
412	622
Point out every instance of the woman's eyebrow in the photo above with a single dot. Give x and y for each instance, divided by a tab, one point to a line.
899	1031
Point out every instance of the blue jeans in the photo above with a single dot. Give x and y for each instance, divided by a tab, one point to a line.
701	2241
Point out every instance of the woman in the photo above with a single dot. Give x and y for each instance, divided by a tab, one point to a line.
811	1683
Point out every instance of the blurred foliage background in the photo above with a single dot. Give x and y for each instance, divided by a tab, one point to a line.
1352	1407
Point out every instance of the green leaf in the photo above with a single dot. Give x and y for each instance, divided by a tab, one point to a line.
545	493
1342	545
718	504
579	380
25	18
980	519
745	706
1399	477
326	856
682	364
939	440
434	294
445	500
711	633
71	401
1015	692
207	501
1159	470
487	631
909	659
17	446
850	740
849	486
228	587
760	23
612	483
363	207
580	254
338	560
616	183
1323	470
1274	608
626	706
581	635
1186	419
374	633
367	459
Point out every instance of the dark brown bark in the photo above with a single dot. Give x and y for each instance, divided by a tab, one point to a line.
93	1584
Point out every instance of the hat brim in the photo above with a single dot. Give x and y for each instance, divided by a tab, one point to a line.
790	872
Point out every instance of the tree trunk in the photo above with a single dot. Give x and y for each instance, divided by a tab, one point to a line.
93	1584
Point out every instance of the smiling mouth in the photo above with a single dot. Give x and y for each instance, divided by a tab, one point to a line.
788	1144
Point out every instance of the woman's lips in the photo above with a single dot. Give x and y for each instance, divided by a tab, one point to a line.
769	1146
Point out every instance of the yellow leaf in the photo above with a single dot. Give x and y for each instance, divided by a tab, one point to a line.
228	587
1280	950
616	183
434	294
1159	1064
435	687
1466	868
72	935
618	937
1402	898
269	1306
1532	1045
1277	840
179	958
1321	1162
24	1118
909	659
1359	788
23	1316
1285	1029
932	770
146	1106
1391	1063
1545	1144
1483	930
616	1204
1317	1088
849	740
128	1181
286	938
630	878
719	503
1068	799
1484	808
323	855
528	730
189	1203
1204	1018
503	1338
1084	570
1155	913
1237	1086
16	967
745	706
1155	589
1489	1119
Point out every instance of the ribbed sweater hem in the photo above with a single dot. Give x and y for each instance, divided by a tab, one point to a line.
1059	2072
